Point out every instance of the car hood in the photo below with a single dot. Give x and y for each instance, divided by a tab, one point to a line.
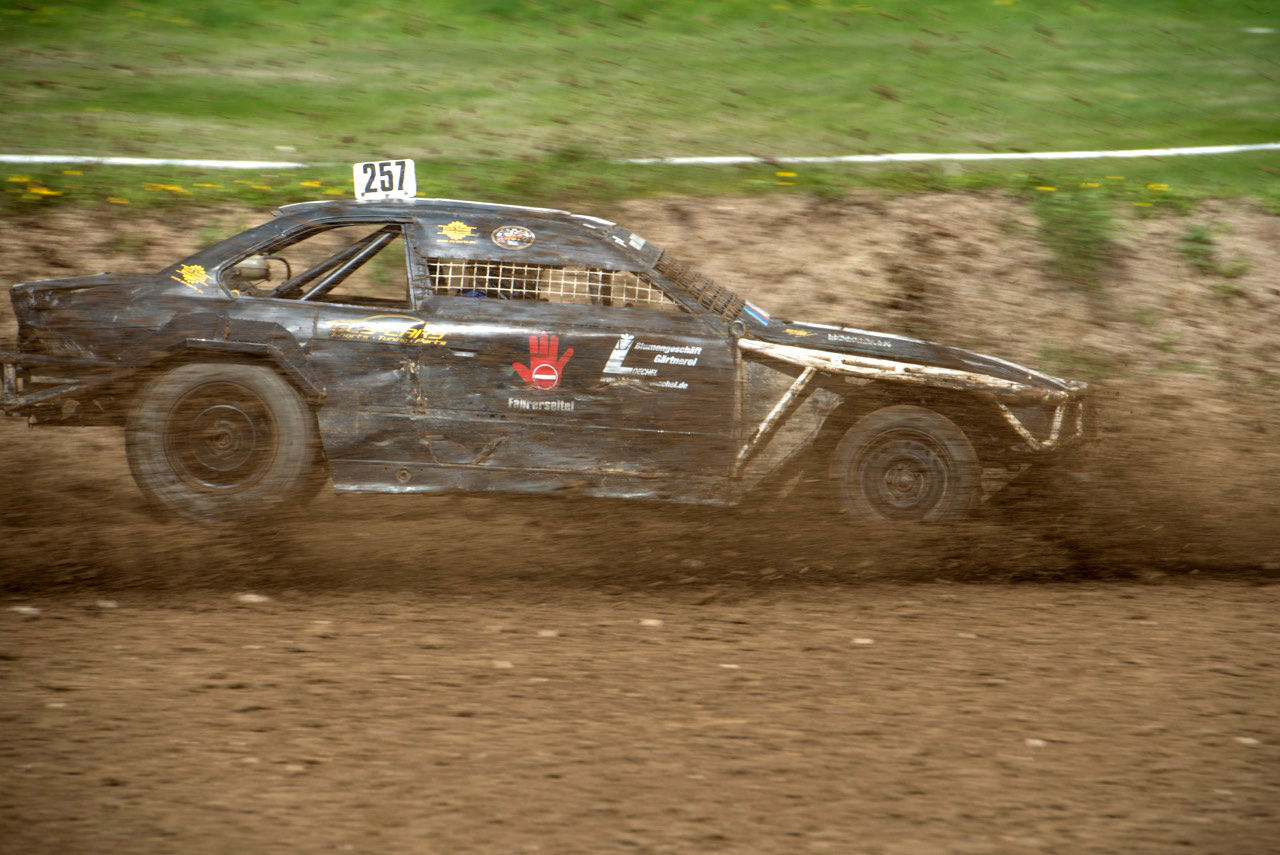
78	296
859	342
76	283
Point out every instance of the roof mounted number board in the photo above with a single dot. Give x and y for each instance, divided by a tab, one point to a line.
378	180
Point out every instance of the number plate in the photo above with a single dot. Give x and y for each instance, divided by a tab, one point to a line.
384	179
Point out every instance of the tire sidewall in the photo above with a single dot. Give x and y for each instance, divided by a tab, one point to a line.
963	484
291	466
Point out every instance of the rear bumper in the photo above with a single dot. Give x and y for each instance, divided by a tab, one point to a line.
31	381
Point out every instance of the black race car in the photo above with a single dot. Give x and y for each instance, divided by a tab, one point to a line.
437	345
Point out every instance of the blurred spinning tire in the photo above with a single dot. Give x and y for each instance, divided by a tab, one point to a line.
212	442
904	464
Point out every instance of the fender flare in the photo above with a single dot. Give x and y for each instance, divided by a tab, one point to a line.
218	334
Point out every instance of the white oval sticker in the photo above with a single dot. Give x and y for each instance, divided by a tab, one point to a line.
513	237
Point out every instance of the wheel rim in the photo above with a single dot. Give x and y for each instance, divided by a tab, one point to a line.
903	474
220	437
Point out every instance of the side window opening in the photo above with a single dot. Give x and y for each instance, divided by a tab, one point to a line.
546	283
363	265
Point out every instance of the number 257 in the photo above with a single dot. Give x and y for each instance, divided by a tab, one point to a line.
381	172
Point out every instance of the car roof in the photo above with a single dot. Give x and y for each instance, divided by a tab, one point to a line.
397	208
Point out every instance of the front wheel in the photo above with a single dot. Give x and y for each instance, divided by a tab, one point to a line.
217	441
906	464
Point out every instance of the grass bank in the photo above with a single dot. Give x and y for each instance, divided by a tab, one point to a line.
1149	185
534	101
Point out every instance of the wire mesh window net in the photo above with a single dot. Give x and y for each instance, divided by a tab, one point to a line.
509	281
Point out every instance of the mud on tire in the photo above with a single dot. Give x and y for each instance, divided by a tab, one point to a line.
217	441
905	464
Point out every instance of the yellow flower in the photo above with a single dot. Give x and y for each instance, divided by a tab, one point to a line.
42	191
116	200
72	172
1044	189
1090	184
785	174
259	187
309	183
203	184
168	188
1142	204
1157	186
19	179
335	192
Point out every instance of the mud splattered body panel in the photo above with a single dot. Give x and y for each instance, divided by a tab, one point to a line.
460	346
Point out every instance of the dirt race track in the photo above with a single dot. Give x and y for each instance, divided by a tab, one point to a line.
1087	670
549	717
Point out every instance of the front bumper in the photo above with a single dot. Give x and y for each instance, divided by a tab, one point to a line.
1047	427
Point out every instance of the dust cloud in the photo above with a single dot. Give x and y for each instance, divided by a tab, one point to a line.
1181	479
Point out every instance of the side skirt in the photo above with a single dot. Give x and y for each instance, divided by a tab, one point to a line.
382	476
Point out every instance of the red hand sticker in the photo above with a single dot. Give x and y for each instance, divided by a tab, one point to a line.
544	369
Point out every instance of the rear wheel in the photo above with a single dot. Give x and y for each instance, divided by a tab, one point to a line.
906	464
214	441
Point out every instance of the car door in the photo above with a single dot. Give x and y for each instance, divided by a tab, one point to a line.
563	360
671	385
359	327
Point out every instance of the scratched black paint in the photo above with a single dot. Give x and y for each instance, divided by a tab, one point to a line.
425	395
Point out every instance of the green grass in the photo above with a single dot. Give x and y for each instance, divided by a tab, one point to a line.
1076	226
580	183
1083	364
533	100
1200	248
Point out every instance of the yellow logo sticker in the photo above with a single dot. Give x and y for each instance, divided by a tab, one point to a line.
420	333
191	275
800	333
456	232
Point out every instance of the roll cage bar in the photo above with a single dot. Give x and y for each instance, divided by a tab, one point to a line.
335	269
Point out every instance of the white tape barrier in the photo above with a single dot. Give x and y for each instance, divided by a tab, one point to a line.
916	157
150	161
925	156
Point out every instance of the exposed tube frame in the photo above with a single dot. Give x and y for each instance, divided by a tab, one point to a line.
770	422
902	372
873	368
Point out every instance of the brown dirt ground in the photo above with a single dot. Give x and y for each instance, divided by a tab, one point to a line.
368	706
1045	718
